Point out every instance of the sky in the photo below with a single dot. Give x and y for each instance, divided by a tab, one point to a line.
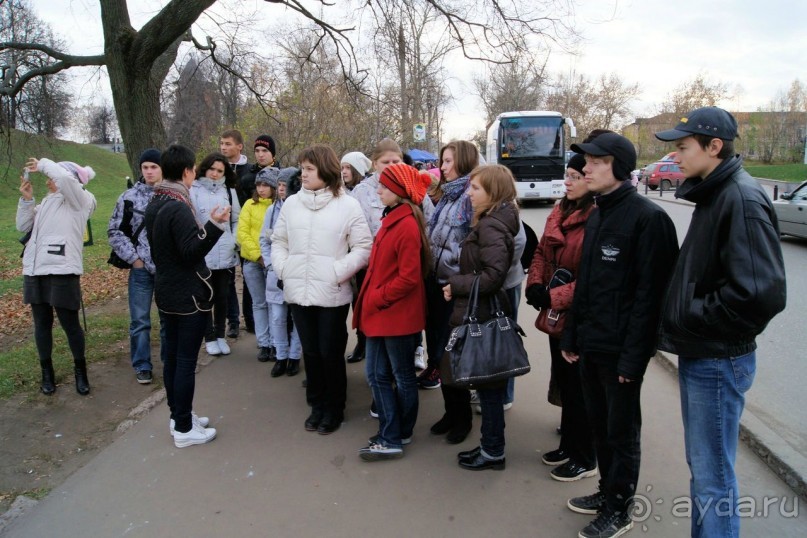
756	48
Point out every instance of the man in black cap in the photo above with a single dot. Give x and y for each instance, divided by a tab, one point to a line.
127	237
628	252
729	282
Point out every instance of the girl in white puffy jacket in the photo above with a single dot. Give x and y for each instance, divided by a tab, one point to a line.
208	191
52	261
320	240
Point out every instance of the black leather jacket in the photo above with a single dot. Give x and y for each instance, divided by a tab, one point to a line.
729	281
629	250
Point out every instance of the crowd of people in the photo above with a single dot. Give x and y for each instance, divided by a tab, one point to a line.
404	248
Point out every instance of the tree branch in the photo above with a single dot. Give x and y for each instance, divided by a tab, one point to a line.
65	61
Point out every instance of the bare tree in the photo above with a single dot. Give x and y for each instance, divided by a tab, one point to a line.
138	61
98	123
777	130
698	92
614	97
195	110
518	85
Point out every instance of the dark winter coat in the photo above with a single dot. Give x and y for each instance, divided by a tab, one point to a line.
392	299
487	252
178	248
729	281
629	251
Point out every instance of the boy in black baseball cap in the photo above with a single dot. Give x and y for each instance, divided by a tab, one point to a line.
628	251
727	285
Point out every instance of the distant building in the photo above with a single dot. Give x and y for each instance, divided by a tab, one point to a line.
764	136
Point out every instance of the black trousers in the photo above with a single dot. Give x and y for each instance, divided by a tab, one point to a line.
576	439
43	332
217	320
323	333
614	410
437	315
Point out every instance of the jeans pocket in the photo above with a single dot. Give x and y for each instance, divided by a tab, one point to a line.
744	371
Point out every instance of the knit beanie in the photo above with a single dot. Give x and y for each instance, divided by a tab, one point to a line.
268	176
577	162
151	155
82	173
406	181
357	160
266	141
286	174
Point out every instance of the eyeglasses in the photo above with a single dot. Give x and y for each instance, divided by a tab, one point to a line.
572	177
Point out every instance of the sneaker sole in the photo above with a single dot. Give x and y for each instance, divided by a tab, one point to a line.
554	463
620	532
191	442
144	381
586	474
579	510
427	387
374	456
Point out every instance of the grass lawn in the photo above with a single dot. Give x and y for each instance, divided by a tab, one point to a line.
793	172
110	168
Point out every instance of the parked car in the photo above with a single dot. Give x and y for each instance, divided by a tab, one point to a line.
791	211
662	174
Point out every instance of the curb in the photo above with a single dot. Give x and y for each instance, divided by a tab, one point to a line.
788	464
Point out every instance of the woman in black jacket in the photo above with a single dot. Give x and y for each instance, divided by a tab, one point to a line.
182	289
487	253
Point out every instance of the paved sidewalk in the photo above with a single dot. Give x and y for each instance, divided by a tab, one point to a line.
266	476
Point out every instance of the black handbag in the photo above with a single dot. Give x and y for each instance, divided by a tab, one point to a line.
484	353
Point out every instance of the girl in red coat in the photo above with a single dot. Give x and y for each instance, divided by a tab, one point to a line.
391	308
560	248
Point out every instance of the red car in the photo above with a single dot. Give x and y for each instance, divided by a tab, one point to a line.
664	174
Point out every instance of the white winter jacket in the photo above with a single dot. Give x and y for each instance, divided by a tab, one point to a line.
205	195
320	241
56	225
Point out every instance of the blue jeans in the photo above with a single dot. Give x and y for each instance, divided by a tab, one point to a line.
712	400
183	338
492	401
389	358
288	347
141	292
255	278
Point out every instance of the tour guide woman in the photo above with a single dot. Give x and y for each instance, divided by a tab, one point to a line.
182	288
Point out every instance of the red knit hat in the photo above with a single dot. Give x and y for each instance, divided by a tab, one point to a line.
406	181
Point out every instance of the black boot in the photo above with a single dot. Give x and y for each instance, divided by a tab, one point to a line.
82	383
48	378
357	355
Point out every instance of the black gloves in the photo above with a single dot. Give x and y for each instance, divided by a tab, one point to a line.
279	284
538	296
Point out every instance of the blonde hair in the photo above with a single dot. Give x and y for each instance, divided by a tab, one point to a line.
499	184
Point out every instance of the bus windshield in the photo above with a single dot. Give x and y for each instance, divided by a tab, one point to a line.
531	137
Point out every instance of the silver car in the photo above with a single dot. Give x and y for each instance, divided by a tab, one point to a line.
791	210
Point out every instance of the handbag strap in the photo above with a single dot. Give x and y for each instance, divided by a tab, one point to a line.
472	309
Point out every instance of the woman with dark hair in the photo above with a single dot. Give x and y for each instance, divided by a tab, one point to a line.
486	255
208	191
182	288
52	262
320	240
560	248
448	227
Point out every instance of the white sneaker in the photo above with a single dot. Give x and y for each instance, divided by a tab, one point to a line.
225	349
420	359
201	421
506	407
213	347
474	397
196	436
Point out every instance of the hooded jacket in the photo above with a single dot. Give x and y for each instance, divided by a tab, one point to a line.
205	195
56	225
629	251
274	294
729	281
318	243
448	227
249	231
487	252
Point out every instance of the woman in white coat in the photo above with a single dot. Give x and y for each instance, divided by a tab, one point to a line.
52	262
320	240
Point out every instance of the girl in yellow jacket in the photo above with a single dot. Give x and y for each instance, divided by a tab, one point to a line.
248	236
